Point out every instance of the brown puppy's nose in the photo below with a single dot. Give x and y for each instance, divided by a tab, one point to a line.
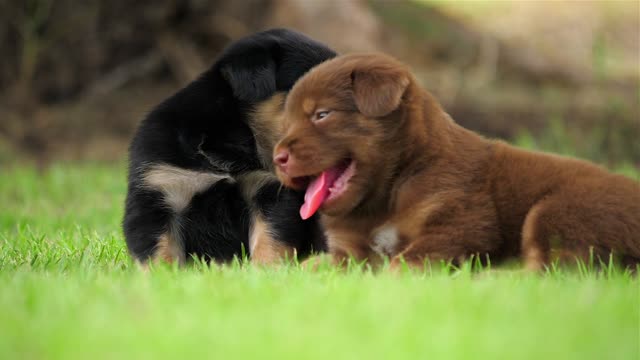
280	159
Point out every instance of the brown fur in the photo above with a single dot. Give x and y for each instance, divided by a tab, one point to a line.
447	192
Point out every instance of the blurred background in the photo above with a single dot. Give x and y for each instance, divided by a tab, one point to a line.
76	77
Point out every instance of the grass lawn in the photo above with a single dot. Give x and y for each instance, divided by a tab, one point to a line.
69	290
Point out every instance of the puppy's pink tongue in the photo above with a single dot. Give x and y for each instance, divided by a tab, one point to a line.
317	192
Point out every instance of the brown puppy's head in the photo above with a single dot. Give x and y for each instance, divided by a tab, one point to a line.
343	121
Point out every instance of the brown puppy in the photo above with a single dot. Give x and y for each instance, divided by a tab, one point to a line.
394	175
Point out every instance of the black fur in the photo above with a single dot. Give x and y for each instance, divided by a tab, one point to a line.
204	127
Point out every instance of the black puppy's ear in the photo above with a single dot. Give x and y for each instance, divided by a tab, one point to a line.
378	90
251	79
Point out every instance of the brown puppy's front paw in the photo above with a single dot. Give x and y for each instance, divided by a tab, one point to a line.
316	262
399	264
332	261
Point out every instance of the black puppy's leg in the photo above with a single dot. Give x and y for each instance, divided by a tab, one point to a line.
264	244
147	226
158	197
277	231
216	223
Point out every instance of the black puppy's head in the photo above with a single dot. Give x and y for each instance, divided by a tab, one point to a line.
267	62
233	108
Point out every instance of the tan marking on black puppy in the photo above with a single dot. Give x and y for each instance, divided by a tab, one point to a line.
266	124
376	151
264	248
169	249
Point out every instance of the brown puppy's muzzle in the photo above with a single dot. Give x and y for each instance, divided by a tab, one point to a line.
289	168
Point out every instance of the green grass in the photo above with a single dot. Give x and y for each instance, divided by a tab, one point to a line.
69	290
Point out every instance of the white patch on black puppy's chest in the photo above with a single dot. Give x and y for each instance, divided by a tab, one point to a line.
385	240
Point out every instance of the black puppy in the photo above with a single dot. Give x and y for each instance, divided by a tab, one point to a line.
200	176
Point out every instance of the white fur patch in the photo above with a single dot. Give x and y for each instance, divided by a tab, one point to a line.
179	185
385	241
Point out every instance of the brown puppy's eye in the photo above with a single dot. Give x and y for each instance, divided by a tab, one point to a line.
321	114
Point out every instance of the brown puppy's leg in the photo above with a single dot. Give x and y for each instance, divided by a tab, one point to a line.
560	226
338	258
350	245
314	262
434	248
344	247
445	243
454	233
536	234
581	225
342	257
551	228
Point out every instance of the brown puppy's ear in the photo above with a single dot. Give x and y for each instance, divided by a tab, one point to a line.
377	92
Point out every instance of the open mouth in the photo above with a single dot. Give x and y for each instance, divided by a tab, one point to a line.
329	185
